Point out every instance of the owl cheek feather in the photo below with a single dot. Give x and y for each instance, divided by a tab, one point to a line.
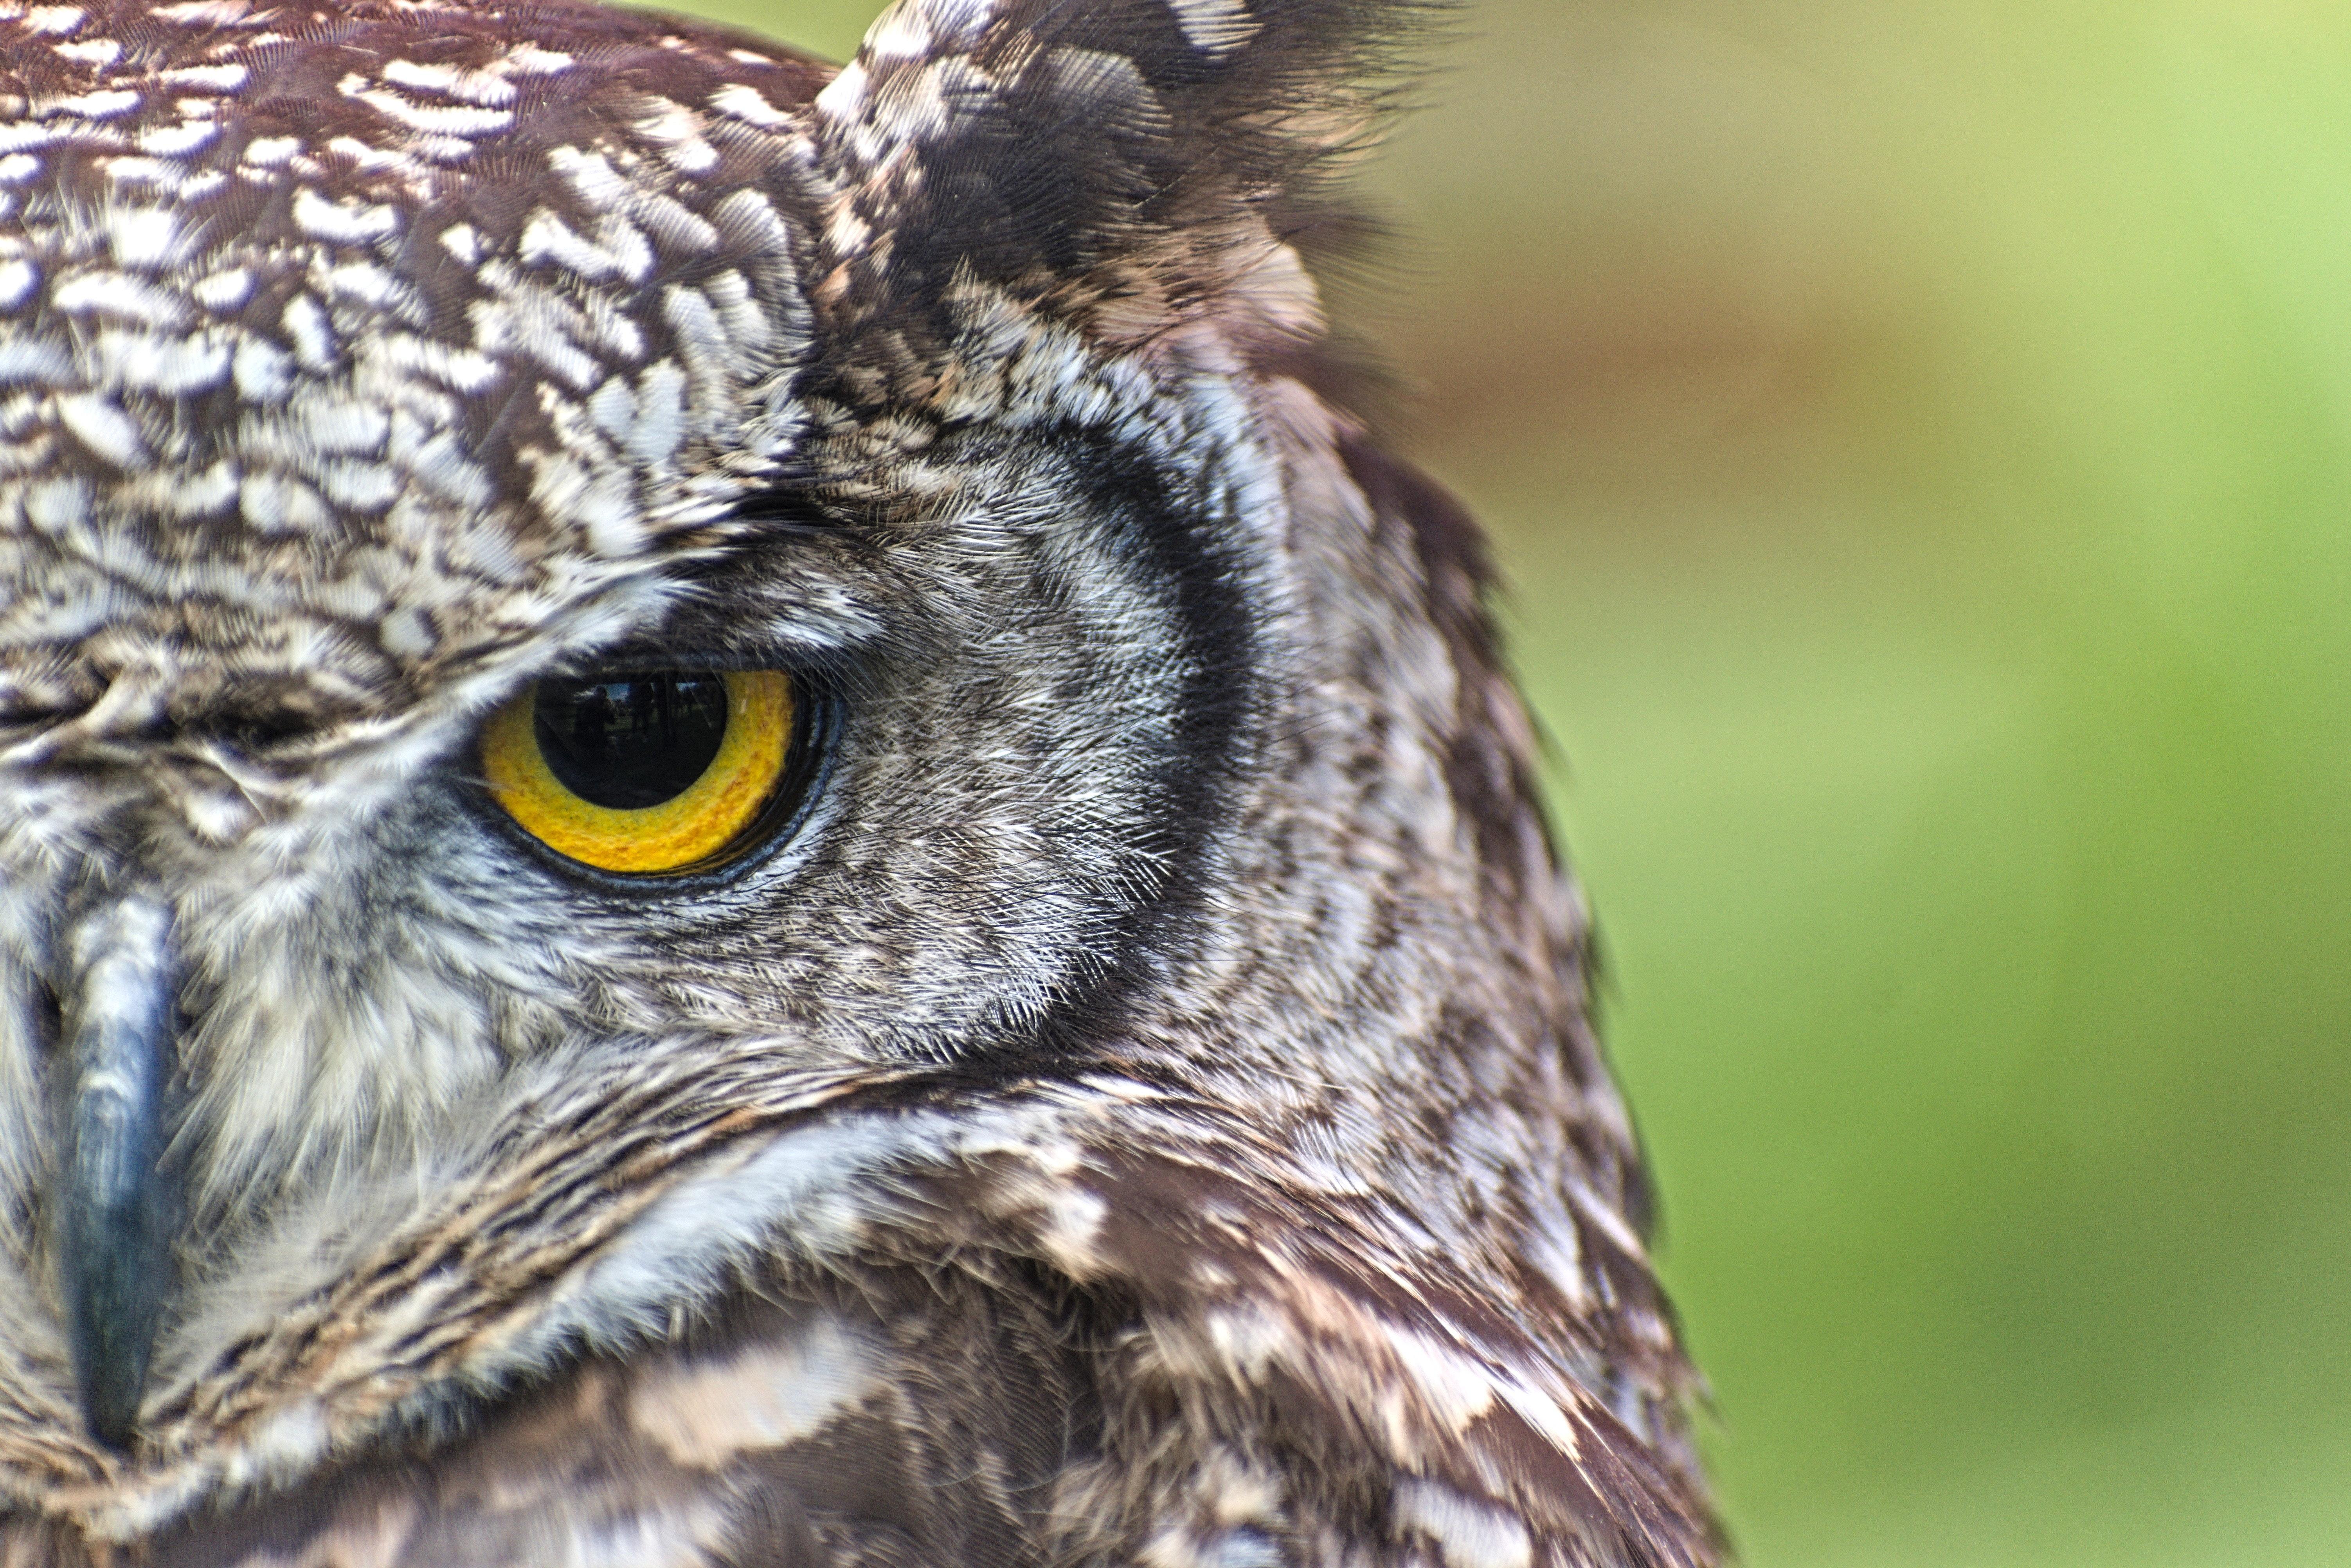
113	1199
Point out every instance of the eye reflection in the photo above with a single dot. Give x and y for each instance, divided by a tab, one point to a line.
628	744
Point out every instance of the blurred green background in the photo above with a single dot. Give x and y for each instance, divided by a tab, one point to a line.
1919	435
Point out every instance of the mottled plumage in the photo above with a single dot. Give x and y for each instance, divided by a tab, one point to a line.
1140	1109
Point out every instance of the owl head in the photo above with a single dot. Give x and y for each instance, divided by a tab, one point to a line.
632	668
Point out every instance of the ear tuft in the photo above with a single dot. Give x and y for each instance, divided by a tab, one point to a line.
1123	164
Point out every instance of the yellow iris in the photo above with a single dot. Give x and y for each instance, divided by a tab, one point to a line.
701	820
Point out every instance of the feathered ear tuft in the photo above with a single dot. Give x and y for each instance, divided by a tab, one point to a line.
1121	164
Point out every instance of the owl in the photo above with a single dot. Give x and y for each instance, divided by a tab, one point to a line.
742	823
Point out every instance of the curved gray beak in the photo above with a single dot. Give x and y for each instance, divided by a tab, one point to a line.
114	1206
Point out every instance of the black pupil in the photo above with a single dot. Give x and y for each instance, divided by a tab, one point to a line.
630	741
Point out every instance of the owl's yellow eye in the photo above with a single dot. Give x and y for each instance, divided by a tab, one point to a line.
641	772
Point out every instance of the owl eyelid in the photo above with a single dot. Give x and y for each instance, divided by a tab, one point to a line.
648	660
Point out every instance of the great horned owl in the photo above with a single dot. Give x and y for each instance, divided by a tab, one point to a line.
740	825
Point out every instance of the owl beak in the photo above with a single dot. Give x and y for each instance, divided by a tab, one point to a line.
114	1203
